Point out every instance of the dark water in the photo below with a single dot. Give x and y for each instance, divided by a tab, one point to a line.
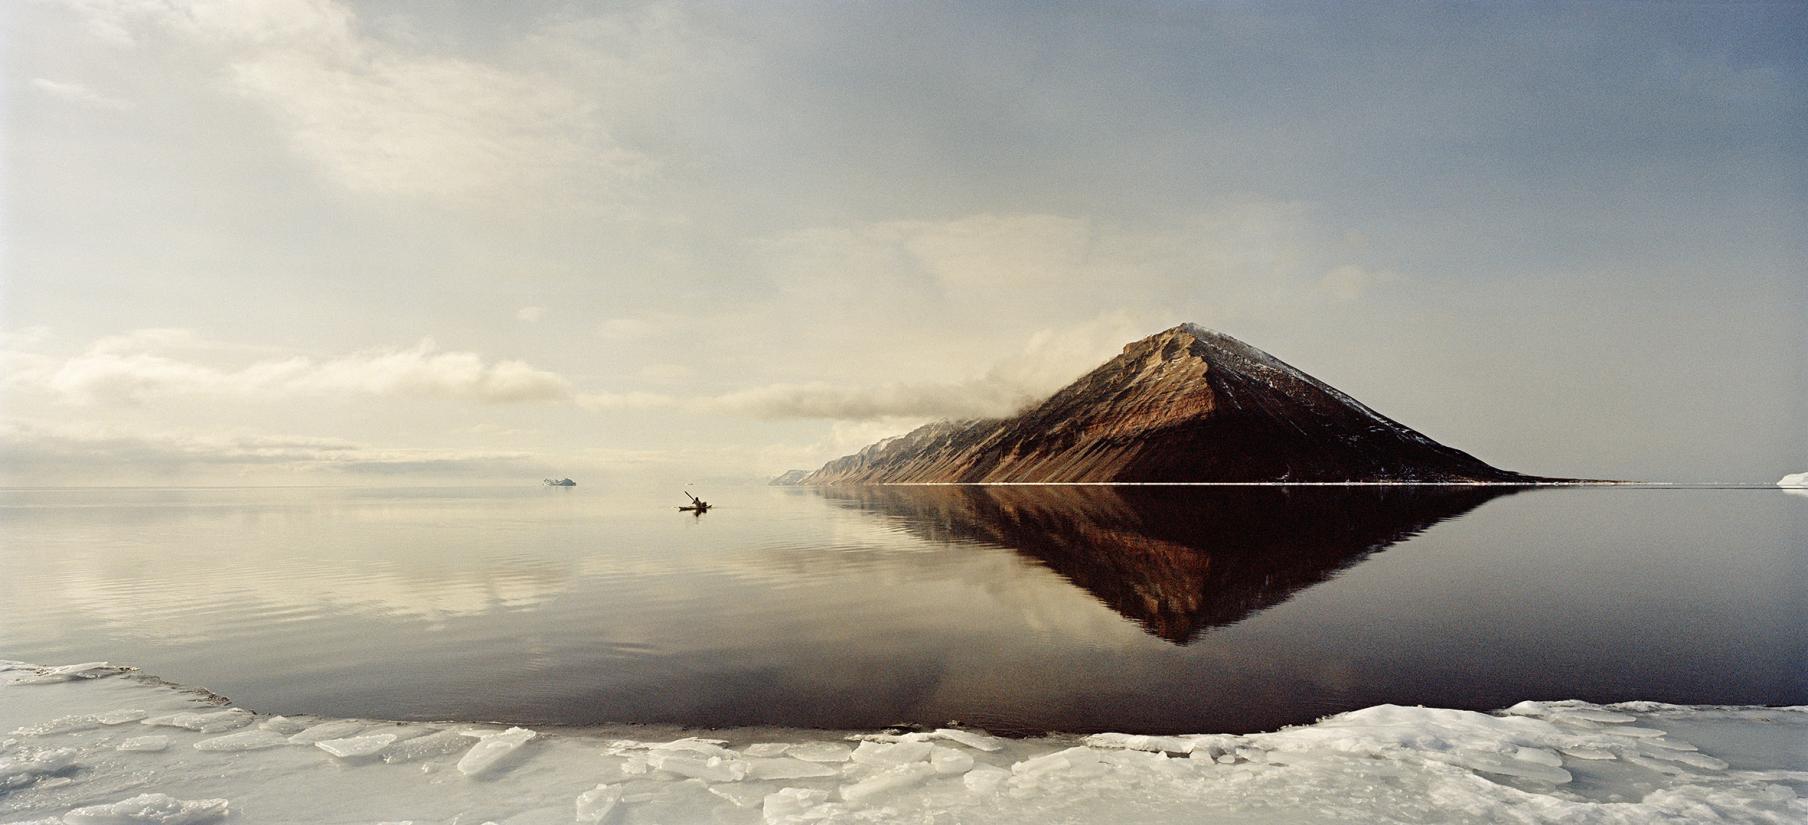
1016	609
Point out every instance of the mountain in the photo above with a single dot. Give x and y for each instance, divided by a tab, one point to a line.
1177	561
789	478
1184	404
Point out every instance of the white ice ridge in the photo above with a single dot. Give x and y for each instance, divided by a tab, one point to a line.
1794	480
109	747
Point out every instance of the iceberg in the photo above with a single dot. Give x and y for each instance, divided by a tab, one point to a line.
1794	481
1563	761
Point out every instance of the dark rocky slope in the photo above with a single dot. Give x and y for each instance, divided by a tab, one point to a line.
1185	404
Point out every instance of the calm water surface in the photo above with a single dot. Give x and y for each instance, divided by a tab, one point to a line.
1016	609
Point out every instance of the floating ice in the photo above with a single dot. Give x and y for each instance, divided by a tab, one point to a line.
144	744
1793	480
150	809
492	750
820	752
948	761
1570	762
245	740
61	724
713	769
1138	742
423	747
976	741
357	747
65	673
25	767
892	779
790	804
215	722
338	729
898	753
596	804
283	725
985	779
785	767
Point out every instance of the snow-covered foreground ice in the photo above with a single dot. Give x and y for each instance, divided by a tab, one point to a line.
93	744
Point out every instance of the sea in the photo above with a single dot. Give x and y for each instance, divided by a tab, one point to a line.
1019	610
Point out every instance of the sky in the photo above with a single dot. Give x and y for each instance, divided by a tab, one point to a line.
426	242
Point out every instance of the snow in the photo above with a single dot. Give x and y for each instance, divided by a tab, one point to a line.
74	757
1794	480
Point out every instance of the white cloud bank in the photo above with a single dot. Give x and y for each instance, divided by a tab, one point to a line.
76	451
167	362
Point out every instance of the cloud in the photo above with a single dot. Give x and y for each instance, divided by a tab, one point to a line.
635	327
1049	360
169	362
1350	282
597	401
78	94
378	117
531	315
40	449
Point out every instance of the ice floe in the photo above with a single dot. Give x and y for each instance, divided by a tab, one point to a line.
492	750
1794	480
72	759
149	809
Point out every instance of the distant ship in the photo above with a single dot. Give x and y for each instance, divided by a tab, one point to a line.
558	482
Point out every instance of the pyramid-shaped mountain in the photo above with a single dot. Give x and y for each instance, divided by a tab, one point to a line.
1184	405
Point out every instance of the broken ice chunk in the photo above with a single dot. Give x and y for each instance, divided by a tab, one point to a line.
785	767
1078	761
902	776
215	722
820	752
61	724
976	741
766	749
985	778
1597	754
877	753
948	761
433	744
144	744
357	747
120	717
24	768
596	804
491	750
245	740
150	809
1139	742
283	725
336	729
713	769
1690	758
739	794
790	802
691	744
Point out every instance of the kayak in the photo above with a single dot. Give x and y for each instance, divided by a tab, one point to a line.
698	509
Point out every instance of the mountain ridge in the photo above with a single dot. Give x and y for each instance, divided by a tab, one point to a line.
1187	404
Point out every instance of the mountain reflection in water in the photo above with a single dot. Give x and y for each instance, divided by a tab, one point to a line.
1176	560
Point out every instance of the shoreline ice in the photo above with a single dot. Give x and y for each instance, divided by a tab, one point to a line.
76	746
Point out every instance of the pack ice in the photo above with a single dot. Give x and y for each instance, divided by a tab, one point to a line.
108	746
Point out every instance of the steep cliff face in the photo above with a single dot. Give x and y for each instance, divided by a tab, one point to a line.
1185	404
